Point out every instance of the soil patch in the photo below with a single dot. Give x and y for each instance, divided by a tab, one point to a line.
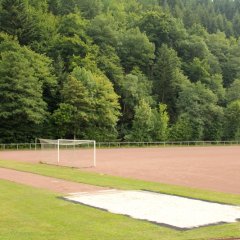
53	184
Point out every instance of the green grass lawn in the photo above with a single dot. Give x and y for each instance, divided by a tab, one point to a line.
29	213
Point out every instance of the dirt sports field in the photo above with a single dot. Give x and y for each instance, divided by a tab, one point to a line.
213	168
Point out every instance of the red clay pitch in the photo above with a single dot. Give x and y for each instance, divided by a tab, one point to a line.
53	184
212	168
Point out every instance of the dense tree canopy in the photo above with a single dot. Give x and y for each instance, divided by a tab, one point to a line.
139	70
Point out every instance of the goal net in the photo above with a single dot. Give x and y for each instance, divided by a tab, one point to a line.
67	152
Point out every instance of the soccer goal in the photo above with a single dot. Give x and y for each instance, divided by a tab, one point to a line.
69	152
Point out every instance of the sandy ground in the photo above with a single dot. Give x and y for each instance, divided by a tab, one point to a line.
212	168
53	184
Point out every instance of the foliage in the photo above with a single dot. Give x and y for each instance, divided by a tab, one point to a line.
24	90
135	49
143	124
103	30
168	77
232	120
134	87
161	28
182	130
199	105
33	27
149	124
72	115
183	54
233	92
89	105
161	121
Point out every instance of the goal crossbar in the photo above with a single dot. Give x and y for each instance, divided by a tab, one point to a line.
64	141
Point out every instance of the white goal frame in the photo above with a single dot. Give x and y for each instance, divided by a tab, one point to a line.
69	142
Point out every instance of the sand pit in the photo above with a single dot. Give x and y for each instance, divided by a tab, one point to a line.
177	212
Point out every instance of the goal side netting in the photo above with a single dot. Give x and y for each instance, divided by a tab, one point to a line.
68	152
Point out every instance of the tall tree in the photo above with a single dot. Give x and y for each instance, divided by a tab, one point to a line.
143	123
32	26
182	129
14	19
161	28
73	45
103	30
109	63
134	88
73	113
22	109
105	104
199	104
161	123
90	8
232	121
168	77
233	92
192	47
231	68
135	50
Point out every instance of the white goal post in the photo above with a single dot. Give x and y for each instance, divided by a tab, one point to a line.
58	143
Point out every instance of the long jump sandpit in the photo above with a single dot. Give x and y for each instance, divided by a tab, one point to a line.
214	168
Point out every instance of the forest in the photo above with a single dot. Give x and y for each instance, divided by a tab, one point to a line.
120	70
